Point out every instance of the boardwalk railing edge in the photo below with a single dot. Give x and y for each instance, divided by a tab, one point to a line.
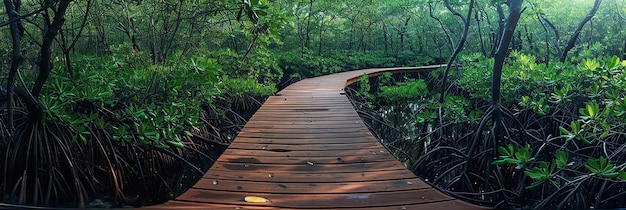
393	70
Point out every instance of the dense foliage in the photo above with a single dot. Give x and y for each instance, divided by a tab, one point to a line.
557	143
564	132
107	100
107	123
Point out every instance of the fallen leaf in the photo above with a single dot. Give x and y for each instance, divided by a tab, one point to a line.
310	163
255	199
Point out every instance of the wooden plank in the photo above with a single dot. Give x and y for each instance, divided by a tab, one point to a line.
306	147
344	140
280	176
312	103
184	205
311	122
300	126
287	153
292	131
304	135
320	200
308	109
283	115
311	119
304	160
308	168
451	204
312	187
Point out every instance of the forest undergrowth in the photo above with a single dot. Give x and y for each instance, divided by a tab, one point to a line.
122	132
562	146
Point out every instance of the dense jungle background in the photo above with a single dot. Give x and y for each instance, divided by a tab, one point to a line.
125	103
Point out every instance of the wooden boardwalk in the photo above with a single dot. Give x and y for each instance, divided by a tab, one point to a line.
307	148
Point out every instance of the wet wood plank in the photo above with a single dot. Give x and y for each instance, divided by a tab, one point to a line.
444	205
307	178
345	140
305	160
338	200
313	188
307	168
288	153
307	148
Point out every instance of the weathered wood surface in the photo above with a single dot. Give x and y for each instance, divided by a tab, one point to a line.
307	148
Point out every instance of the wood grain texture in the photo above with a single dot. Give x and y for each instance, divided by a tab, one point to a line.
307	148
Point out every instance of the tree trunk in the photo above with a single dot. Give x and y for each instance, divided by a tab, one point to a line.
385	37
529	39
557	36
16	58
402	32
232	36
459	47
443	27
547	39
572	40
45	55
498	34
66	48
515	10
480	35
174	33
308	25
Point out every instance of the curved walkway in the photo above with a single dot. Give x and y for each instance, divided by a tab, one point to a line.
307	148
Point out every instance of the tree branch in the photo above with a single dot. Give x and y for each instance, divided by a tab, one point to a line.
557	36
458	48
443	27
619	12
45	63
27	15
572	40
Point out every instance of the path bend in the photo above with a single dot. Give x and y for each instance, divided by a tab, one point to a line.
307	148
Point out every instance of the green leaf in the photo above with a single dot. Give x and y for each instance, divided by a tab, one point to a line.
612	62
604	134
575	127
161	146
176	144
561	158
535	184
539	174
187	133
564	131
610	175
591	109
591	64
498	162
593	163
602	167
503	151
622	175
